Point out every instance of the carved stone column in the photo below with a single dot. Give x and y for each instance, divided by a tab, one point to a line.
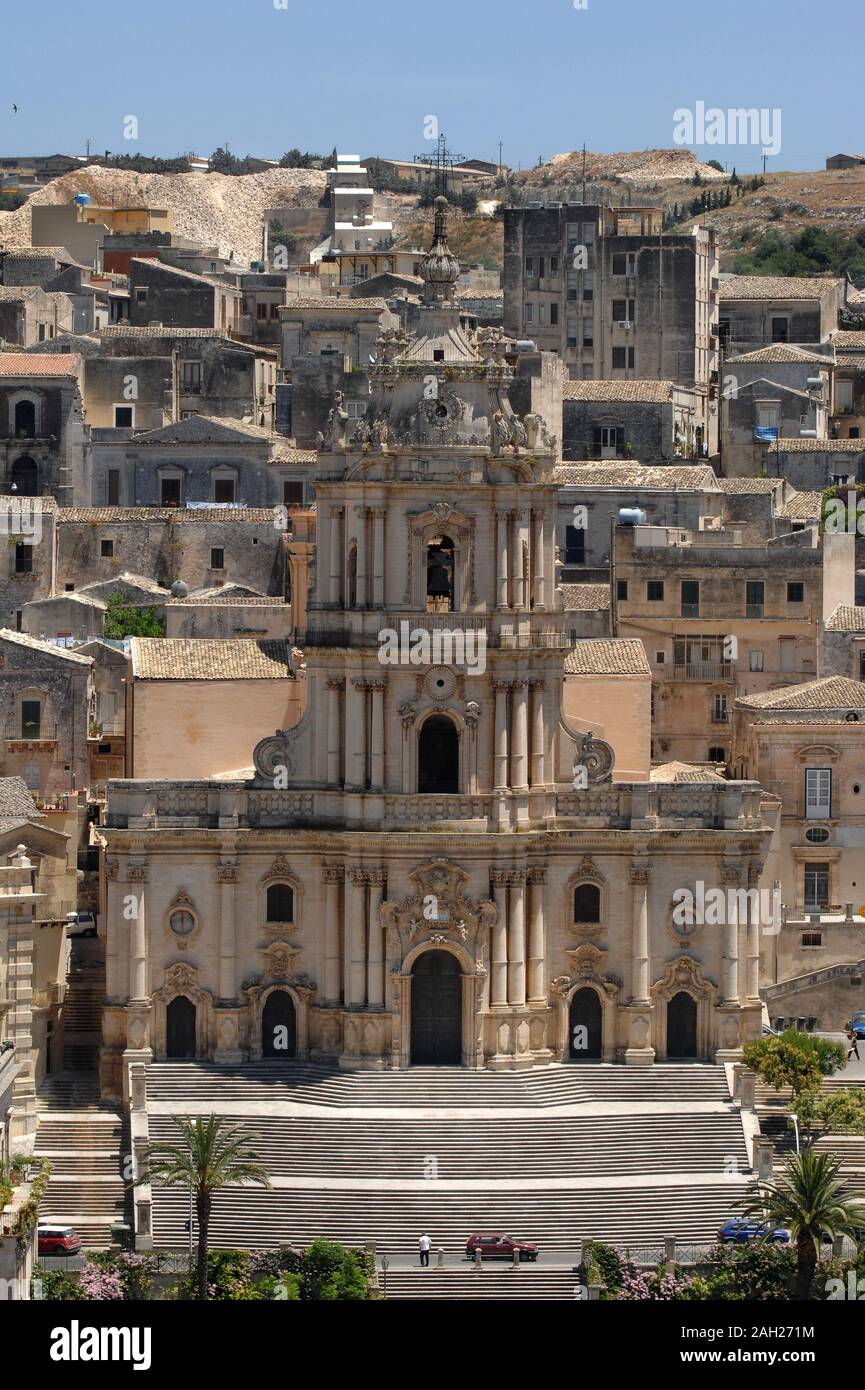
502	559
537	983
376	779
333	876
336	553
501	689
499	953
334	729
375	959
518	576
639	878
752	957
539	740
378	551
362	596
138	937
226	876
520	751
539	576
517	940
355	723
730	939
355	938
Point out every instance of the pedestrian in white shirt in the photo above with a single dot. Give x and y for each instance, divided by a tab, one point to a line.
424	1246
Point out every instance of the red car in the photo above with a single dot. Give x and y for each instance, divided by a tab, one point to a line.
58	1240
500	1247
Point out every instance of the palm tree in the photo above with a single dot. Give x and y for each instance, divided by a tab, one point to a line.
213	1154
808	1201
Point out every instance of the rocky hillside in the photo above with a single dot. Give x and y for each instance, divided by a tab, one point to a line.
634	167
213	209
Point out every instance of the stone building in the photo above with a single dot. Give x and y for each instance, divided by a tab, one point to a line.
435	864
805	745
617	298
847	415
722	616
44	706
43	435
162	295
842	643
28	315
757	310
775	392
653	421
815	464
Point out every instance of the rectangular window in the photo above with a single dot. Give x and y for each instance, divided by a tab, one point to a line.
755	661
690	598
630	357
217	558
190	375
816	887
530	265
31	719
554	313
261	311
113	487
619	263
542	313
588	286
619	358
529	314
588	334
818	793
621	589
223	489
123	417
754	593
274	311
795	592
843	397
23	558
292	493
812	938
720	713
169	492
106	549
780	330
554	265
786	653
620	310
862	663
655	590
140	295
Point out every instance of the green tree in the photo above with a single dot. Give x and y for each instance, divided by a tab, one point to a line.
324	1272
797	1060
212	1154
714	164
808	1200
125	620
834	1112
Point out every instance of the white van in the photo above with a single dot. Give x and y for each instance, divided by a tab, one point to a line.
81	924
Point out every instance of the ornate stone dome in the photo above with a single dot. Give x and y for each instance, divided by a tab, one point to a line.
439	268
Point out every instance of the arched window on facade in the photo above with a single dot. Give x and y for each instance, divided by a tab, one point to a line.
25	476
440	575
280	903
439	755
587	903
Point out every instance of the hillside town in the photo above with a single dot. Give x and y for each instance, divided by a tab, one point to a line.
432	667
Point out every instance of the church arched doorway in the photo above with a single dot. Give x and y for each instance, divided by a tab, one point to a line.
279	1025
180	1028
439	755
682	1026
585	1019
436	1010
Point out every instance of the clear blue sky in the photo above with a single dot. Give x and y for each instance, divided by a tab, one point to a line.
539	75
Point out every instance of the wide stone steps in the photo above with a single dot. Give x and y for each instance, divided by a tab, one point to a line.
432	1087
68	1090
512	1148
86	1143
640	1213
452	1285
76	1165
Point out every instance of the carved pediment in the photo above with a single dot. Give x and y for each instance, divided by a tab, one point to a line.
438	910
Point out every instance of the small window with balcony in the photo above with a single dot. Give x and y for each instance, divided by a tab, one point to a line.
223	490
690	589
816	887
169	492
754	596
31	719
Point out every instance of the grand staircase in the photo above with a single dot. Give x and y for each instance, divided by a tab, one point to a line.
556	1156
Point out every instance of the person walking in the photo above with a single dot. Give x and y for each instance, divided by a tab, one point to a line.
852	1043
424	1246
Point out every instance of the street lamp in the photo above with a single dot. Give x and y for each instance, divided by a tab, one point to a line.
795	1119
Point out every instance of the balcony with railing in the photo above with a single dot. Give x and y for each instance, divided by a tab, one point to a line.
703	671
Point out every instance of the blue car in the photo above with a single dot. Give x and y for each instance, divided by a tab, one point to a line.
741	1231
857	1023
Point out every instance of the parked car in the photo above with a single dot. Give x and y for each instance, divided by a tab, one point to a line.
857	1023
58	1240
81	924
740	1231
499	1247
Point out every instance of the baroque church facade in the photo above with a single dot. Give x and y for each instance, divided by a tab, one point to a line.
434	865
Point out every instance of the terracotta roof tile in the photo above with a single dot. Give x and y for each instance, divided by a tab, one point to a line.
627	477
776	287
39	364
829	693
647	392
780	353
209	659
49	649
846	618
585	598
817	446
179	515
607	656
322	301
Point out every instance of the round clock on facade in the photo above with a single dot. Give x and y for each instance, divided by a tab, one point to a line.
181	922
